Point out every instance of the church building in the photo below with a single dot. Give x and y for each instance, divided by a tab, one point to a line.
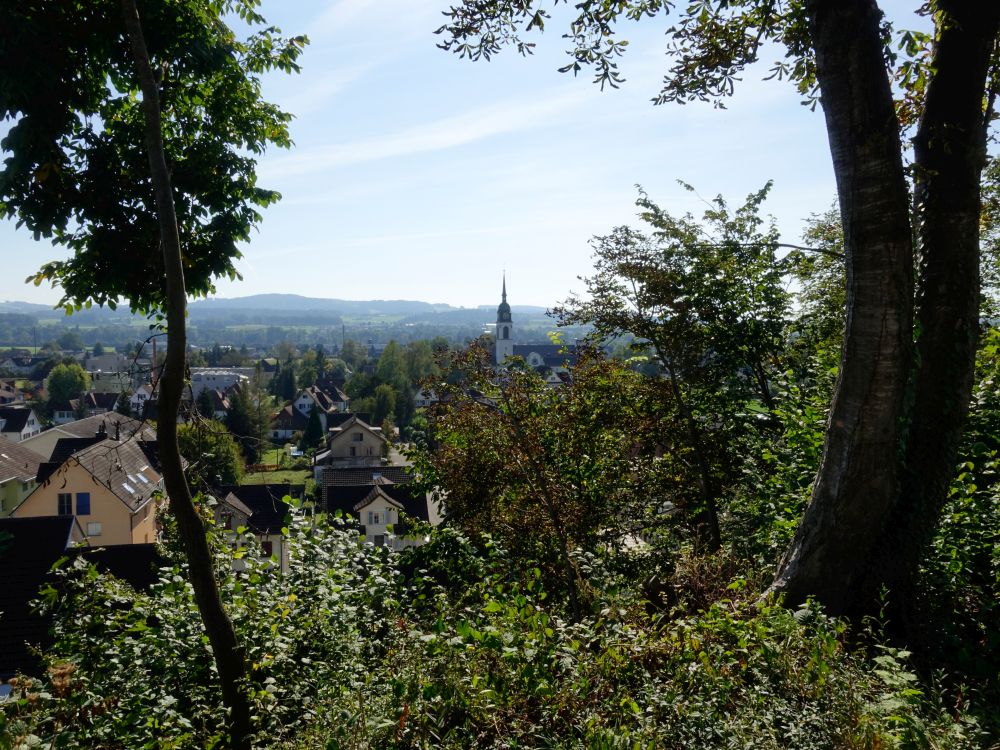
552	361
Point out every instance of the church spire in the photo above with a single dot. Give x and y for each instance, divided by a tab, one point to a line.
505	328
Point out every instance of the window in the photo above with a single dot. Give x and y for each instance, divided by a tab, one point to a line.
354	451
357	437
267	547
83	503
371	517
380	540
65	504
94	529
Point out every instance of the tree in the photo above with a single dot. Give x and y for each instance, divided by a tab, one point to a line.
707	299
98	349
213	455
70	341
385	403
354	354
204	403
313	435
887	458
111	176
283	384
547	472
241	420
123	405
66	381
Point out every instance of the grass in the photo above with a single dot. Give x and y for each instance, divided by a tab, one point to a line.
292	476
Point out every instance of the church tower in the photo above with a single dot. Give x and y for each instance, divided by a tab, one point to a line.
505	329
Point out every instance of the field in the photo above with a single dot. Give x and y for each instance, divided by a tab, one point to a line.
279	457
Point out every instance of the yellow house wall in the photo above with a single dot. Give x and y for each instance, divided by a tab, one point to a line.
10	496
118	526
369	445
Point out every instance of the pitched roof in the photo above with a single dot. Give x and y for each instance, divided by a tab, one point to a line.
350	499
102	400
265	503
91	426
26	557
125	467
14	417
290	418
339	418
553	355
18	462
355	419
320	397
366	476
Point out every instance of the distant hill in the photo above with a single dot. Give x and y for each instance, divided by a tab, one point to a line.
354	308
25	308
261	320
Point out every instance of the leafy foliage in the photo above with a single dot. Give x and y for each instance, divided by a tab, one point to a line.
213	455
65	382
77	170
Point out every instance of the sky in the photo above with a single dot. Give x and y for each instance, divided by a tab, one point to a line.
418	175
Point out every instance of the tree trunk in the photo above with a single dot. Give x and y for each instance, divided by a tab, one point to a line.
858	476
226	651
950	151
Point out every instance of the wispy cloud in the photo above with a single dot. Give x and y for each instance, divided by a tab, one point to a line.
446	133
373	15
316	91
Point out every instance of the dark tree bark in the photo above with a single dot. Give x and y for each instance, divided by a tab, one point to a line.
857	481
870	519
950	153
226	651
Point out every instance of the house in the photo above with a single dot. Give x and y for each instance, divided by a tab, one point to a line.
424	398
28	549
110	485
262	510
44	443
18	472
378	501
218	378
89	405
94	403
315	398
287	422
353	442
103	365
10	393
63	413
220	403
18	423
22	365
340	400
140	397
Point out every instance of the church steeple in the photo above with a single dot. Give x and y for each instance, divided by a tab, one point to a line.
505	328
503	310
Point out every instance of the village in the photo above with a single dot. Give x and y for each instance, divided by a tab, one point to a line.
265	434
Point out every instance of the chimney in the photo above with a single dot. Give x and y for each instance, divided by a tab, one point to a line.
118	430
102	431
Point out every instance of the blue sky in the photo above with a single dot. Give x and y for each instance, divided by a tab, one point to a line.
417	175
